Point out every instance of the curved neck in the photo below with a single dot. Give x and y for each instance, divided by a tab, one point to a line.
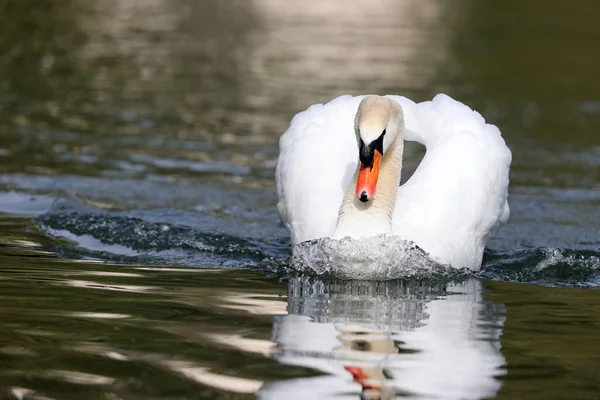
357	219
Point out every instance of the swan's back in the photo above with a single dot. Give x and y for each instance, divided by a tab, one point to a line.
457	197
317	157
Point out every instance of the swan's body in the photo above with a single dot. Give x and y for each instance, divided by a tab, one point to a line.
449	207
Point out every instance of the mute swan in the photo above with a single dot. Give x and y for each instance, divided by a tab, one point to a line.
339	166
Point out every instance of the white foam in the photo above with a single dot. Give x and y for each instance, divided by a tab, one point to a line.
380	257
554	256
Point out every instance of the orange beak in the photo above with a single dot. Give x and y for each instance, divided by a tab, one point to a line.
367	178
359	376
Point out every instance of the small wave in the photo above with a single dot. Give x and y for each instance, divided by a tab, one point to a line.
91	243
546	266
117	238
193	166
24	204
393	258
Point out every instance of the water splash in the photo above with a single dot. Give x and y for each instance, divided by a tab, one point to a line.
382	257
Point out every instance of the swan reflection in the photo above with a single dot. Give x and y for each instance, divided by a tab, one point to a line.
378	340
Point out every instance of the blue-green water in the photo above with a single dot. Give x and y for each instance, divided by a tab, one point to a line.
141	255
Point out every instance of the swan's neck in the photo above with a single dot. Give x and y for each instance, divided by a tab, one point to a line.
357	219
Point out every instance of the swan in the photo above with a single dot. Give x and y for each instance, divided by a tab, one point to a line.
339	168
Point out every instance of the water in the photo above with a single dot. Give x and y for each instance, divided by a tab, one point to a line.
140	251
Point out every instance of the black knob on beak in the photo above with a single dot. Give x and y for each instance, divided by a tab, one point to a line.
365	152
363	197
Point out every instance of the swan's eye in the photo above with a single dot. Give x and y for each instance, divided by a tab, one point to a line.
383	133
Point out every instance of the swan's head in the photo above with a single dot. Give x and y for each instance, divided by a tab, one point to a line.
379	121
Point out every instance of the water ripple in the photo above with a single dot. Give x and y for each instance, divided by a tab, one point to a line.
128	239
548	266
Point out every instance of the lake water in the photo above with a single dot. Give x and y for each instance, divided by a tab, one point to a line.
141	255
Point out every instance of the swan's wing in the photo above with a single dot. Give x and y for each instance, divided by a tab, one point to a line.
458	194
317	157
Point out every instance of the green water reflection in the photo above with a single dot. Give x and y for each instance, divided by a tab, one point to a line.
79	329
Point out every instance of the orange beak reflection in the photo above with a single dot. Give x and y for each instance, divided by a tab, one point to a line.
367	178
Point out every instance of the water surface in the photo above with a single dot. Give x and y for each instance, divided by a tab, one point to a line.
140	249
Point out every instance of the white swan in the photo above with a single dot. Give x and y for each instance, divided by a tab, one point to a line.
449	207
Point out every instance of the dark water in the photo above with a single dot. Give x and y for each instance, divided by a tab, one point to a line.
139	241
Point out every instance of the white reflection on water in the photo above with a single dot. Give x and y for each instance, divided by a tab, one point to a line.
254	304
239	342
381	339
219	381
